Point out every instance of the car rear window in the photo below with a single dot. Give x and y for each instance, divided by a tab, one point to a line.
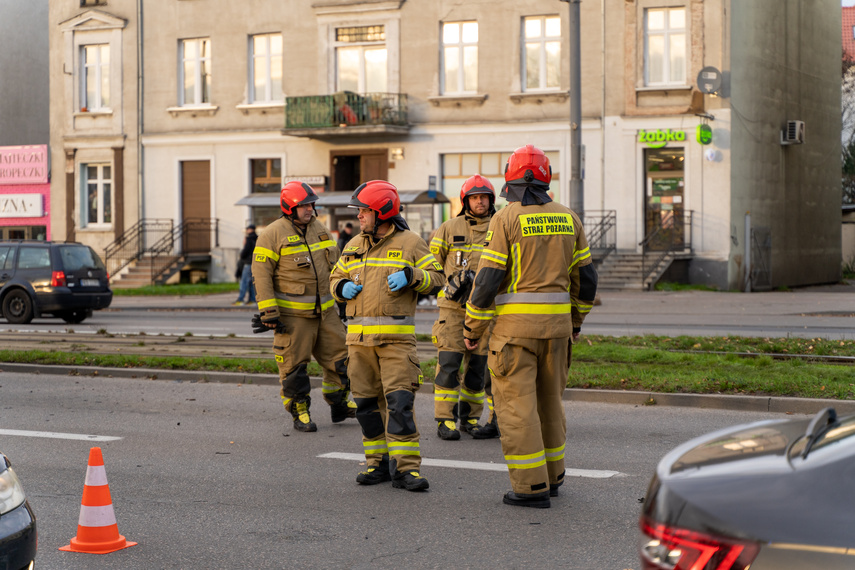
76	257
34	258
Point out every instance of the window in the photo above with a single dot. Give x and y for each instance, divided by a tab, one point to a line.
459	57
84	3
195	73
541	52
665	46
361	59
95	79
97	196
265	176
265	68
34	258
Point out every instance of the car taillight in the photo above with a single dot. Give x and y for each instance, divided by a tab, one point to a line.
57	279
670	548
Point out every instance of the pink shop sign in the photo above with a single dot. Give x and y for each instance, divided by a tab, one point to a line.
21	165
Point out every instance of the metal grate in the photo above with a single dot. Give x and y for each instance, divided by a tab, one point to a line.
361	34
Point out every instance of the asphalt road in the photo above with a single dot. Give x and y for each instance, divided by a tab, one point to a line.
202	477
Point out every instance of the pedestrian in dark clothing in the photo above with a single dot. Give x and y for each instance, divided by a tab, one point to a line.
244	268
345	235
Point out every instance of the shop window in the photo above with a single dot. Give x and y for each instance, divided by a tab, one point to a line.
541	57
265	66
665	47
97	195
95	77
361	59
195	72
459	57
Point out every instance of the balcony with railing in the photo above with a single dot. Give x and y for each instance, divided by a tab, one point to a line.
346	114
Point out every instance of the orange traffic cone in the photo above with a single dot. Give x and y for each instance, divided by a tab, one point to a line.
97	531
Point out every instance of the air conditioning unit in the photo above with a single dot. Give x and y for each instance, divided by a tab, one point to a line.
793	133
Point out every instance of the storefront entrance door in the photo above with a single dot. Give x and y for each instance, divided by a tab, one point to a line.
663	203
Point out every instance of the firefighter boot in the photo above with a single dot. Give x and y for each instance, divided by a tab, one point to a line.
375	475
299	408
447	430
487	431
537	500
470	426
343	407
410	480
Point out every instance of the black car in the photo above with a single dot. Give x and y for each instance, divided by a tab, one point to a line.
64	279
768	495
18	536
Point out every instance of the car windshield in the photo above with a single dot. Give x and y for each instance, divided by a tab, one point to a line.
76	257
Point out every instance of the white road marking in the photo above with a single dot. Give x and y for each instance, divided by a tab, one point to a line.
588	473
56	435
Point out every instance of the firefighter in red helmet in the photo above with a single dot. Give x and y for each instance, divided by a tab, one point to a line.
539	301
380	275
457	245
291	264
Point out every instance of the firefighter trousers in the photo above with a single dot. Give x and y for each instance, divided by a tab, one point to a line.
454	399
529	378
384	380
321	337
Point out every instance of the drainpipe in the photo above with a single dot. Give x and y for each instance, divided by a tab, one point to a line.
140	93
577	184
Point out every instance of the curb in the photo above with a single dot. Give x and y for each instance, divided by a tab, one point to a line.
772	404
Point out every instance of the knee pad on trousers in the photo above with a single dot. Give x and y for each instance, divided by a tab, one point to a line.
369	418
449	369
399	406
297	381
341	370
475	379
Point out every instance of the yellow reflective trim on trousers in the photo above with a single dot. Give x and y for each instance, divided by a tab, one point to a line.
292	249
494	256
534	309
555	453
526	461
329	387
266	304
376	446
267	252
404	448
381	329
443	395
480	314
471	397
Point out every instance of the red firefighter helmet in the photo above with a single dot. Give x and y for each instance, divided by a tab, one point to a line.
296	193
378	195
527	164
474	185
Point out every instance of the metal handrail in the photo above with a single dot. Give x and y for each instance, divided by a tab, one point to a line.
601	231
346	108
652	258
132	244
193	235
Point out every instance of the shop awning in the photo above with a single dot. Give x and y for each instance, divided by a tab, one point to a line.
341	199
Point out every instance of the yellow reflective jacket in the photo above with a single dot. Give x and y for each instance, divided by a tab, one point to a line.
530	269
291	267
457	245
377	315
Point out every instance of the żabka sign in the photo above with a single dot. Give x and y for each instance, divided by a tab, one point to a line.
21	165
659	138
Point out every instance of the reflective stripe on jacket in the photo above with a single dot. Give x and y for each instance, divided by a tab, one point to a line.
530	270
457	245
377	315
291	267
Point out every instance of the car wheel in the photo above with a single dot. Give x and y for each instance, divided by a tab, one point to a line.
73	317
18	307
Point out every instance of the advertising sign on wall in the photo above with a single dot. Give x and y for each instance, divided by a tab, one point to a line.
21	165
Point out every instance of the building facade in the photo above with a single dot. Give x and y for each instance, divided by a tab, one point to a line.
686	104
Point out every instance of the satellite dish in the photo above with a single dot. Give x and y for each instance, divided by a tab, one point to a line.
709	80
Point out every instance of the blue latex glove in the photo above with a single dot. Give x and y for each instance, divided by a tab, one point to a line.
397	281
349	291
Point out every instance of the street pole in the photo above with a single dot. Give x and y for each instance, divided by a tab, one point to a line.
577	183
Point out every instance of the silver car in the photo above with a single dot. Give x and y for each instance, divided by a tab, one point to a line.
771	495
